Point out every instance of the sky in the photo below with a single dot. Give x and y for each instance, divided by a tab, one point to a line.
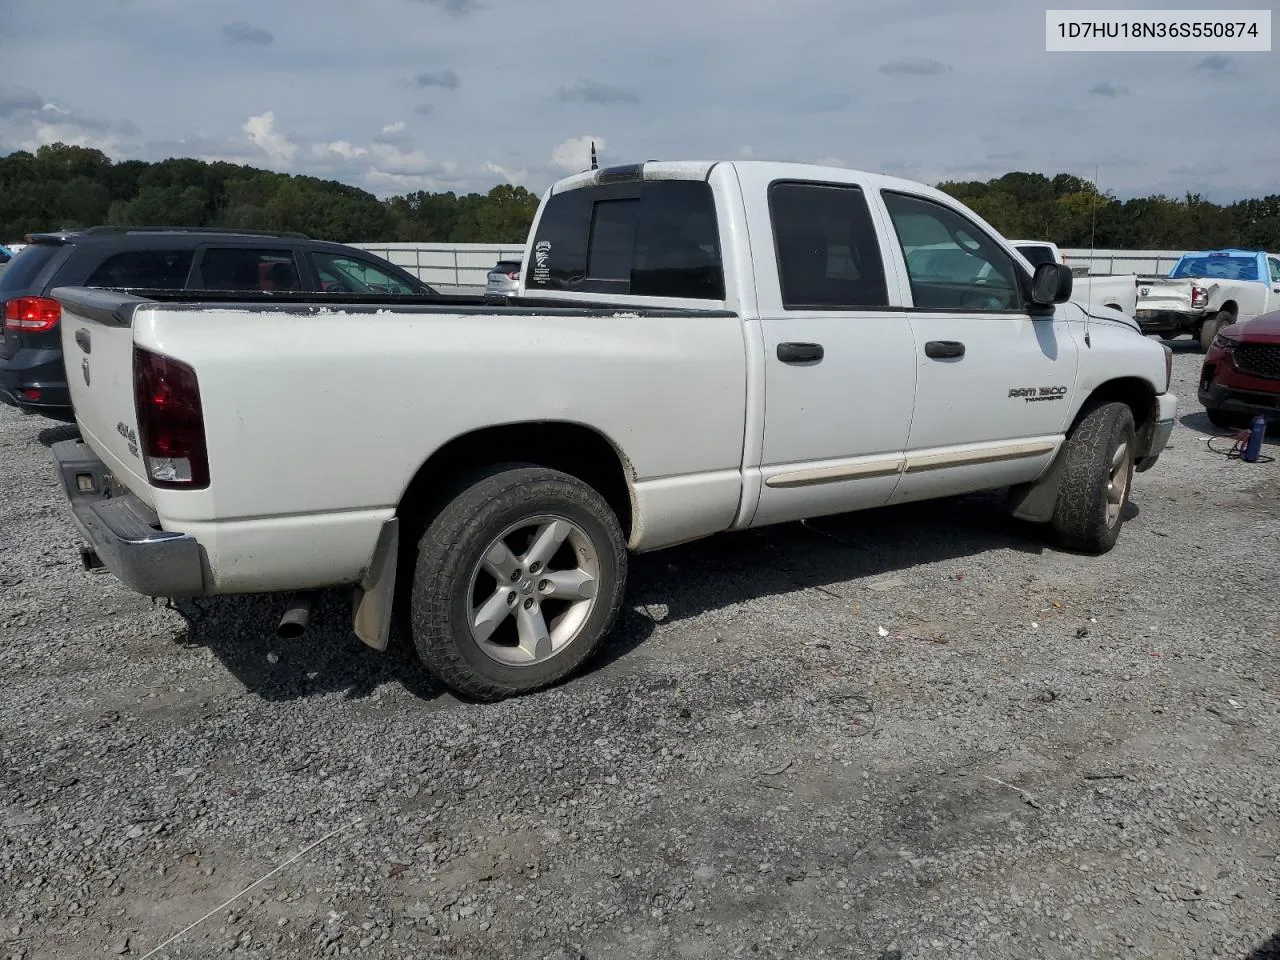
401	95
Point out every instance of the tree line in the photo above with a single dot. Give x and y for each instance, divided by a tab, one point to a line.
64	187
1070	212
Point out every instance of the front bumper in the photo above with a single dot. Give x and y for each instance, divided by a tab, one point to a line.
1161	430
123	532
1229	399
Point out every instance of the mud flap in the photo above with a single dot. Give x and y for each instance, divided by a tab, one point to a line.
1036	501
372	599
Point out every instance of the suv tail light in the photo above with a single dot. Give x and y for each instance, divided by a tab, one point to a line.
513	275
170	422
1199	297
32	314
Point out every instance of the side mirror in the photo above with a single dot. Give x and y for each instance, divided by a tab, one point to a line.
1051	283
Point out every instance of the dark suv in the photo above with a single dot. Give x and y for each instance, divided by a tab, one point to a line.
151	258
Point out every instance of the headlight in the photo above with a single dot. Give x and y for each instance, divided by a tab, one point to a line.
1225	343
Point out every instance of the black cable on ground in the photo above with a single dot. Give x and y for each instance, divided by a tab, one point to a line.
1239	438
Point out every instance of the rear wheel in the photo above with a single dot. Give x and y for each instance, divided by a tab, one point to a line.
518	579
1097	473
1209	329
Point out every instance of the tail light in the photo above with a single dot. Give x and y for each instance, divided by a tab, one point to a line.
1199	297
32	314
513	275
1168	367
170	422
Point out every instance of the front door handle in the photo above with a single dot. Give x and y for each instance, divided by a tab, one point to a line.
943	349
800	352
82	339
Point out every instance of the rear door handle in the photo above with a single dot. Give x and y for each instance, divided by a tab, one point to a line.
800	352
943	349
82	338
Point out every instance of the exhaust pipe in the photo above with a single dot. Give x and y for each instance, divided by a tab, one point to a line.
296	617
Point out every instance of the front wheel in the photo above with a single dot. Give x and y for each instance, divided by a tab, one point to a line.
518	580
1096	477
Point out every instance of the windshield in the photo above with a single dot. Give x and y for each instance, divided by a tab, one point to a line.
1218	267
26	266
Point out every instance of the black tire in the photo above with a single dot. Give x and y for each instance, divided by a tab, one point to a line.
1209	329
1081	520
450	553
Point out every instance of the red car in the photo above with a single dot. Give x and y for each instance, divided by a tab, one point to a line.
1241	374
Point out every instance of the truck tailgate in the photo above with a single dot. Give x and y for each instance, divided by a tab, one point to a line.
97	346
1164	293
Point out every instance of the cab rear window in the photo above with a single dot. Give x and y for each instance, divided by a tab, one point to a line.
653	238
1218	267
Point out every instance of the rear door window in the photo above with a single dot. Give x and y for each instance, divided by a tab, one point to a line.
827	247
145	269
248	268
655	239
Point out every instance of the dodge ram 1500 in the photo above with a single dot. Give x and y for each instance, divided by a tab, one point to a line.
695	347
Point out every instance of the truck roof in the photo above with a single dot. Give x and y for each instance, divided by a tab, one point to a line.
701	170
1225	252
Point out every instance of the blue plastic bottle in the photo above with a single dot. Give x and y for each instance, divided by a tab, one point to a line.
1253	446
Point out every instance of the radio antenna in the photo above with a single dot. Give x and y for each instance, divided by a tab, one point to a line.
1093	224
1093	240
594	164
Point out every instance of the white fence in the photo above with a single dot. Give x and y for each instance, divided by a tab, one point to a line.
1123	261
446	264
464	265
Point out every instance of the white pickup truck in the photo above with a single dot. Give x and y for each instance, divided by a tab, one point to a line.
1207	291
698	347
1113	292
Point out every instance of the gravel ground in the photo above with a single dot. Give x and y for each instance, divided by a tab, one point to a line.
1046	756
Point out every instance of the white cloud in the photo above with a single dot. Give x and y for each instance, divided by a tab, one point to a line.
574	155
339	148
824	91
398	127
261	130
385	182
47	133
514	177
394	160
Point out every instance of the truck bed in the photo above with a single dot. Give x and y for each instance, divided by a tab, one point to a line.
319	411
104	304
